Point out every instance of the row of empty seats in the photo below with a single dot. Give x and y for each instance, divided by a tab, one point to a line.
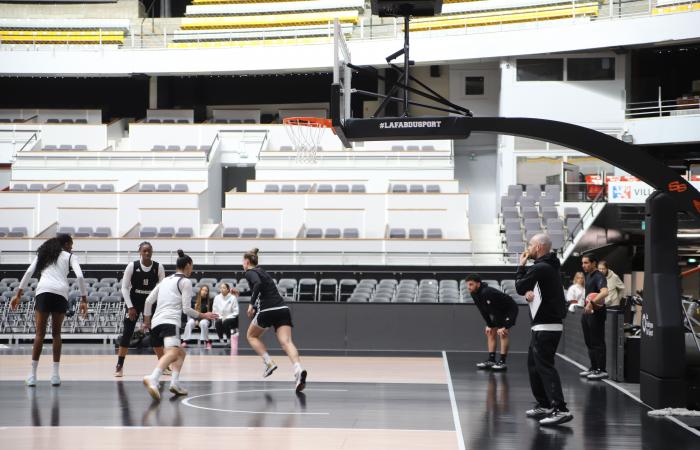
249	233
520	226
89	187
81	121
33	187
14	232
234	121
332	233
167	121
65	147
166	232
83	232
412	148
177	148
163	187
63	31
415	233
289	188
415	188
541	10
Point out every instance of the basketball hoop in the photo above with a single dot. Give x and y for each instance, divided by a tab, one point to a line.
305	134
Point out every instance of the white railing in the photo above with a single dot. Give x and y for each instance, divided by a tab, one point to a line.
663	108
365	30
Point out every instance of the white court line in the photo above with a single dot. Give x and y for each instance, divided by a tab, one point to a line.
632	396
453	402
186	402
127	427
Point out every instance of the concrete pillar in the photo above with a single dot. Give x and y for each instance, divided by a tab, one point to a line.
153	92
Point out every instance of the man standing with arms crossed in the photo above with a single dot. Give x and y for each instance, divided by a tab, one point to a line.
593	318
541	285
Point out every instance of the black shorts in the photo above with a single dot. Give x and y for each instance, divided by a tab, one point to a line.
273	318
162	331
48	302
500	322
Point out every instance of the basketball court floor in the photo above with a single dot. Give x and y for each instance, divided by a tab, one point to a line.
437	401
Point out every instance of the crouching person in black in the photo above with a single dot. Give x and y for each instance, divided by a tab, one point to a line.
499	310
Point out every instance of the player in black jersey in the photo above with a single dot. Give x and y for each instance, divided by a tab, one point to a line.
140	278
267	309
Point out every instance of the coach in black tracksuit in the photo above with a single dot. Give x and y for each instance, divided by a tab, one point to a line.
593	318
541	285
499	311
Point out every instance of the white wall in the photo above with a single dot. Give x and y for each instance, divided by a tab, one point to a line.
94	136
478	177
93	116
70	216
161	114
672	129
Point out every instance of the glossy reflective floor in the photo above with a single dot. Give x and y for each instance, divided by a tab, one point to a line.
350	403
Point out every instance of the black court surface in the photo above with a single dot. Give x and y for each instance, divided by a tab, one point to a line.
432	402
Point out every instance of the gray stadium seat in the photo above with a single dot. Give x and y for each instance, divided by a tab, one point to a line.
427	148
72	188
555	224
314	233
415	188
288	287
18	232
19	187
412	148
180	187
105	188
89	187
173	148
272	188
416	233
342	188
66	230
571	212
190	148
147	187
267	233
164	188
399	188
346	288
358	188
515	191
80	148
102	232
249	233
288	188
511	213
397	148
351	233
166	232
550	212
83	232
158	148
547	202
328	290
231	232
50	148
397	233
324	188
434	233
332	233
530	212
572	225
526	202
4	231
307	290
35	187
148	232
432	188
507	202
304	188
557	237
184	232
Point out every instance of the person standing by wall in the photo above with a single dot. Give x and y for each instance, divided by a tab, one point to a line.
593	318
616	288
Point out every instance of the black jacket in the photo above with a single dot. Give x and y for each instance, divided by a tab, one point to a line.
264	293
545	274
497	308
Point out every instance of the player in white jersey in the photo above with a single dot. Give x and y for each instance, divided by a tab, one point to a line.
52	263
173	295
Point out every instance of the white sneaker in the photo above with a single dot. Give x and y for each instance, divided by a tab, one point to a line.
597	375
538	412
301	380
55	380
30	381
557	417
269	368
152	388
177	390
585	373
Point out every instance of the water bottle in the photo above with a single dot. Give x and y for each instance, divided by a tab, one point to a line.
234	344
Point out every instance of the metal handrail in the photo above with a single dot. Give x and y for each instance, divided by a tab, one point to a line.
579	225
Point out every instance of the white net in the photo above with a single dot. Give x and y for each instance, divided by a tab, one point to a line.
305	133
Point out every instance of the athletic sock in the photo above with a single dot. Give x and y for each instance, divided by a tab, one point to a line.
155	376
175	378
120	360
492	356
297	367
503	358
35	364
266	358
54	370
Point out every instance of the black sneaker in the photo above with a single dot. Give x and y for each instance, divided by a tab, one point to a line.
597	375
485	365
538	412
499	367
557	417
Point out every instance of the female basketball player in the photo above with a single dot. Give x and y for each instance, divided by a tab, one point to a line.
173	296
52	263
267	309
140	278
